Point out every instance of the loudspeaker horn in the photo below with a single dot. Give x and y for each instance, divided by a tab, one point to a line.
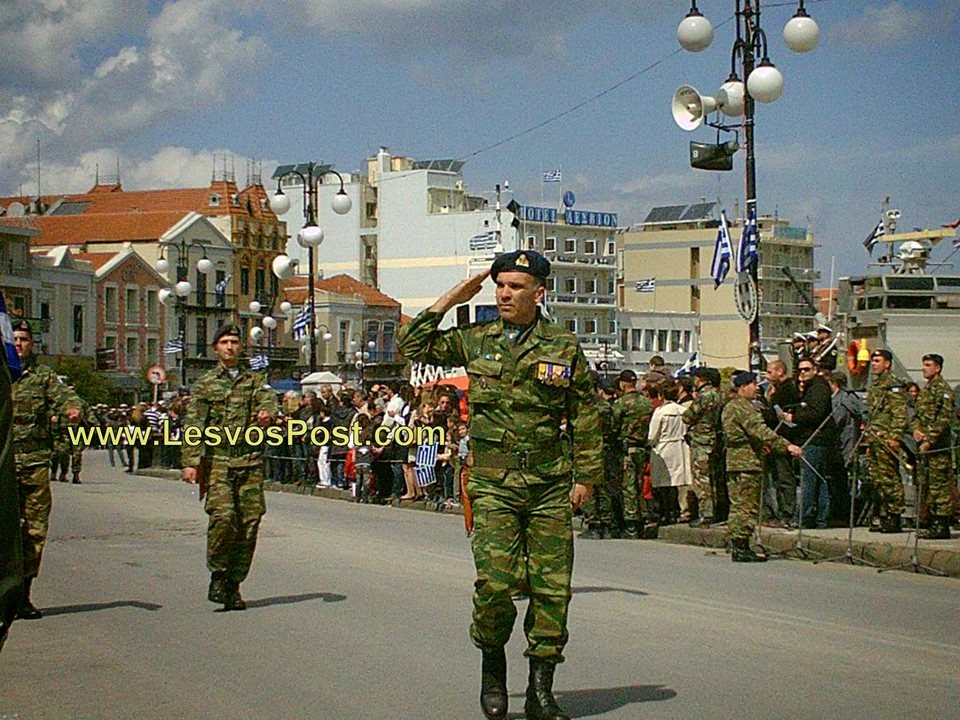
689	107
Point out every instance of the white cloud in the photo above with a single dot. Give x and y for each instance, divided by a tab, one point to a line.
886	26
674	184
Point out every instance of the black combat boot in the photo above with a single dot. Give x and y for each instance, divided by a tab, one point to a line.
593	532
740	551
28	611
76	478
493	684
890	524
541	705
939	529
631	531
232	599
218	588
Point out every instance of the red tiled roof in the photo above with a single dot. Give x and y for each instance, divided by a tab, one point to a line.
97	259
104	227
295	289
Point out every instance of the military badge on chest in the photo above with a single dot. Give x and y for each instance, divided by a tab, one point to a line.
554	374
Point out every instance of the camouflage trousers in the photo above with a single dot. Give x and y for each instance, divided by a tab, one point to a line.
700	466
59	460
235	504
522	543
634	506
36	502
885	473
744	489
602	508
938	480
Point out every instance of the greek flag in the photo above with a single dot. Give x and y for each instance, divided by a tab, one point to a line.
173	346
645	286
874	237
6	330
426	465
747	252
722	252
259	362
301	324
485	241
222	285
689	366
552	176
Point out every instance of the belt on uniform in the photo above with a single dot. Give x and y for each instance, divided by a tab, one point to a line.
521	460
634	449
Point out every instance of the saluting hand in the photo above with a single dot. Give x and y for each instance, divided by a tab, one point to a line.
460	293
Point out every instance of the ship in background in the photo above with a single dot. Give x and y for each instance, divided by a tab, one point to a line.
911	308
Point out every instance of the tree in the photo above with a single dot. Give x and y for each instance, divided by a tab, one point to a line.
90	385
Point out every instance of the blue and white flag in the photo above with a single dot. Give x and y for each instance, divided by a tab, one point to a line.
749	241
552	176
645	286
722	252
259	362
222	285
426	464
6	330
689	366
173	346
874	237
301	324
485	241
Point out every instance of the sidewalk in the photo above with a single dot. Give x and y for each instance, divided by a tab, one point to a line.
885	551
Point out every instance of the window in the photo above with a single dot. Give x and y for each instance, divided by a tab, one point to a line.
611	248
552	283
687	336
675	341
571	324
214	200
662	336
590	286
589	247
201	287
570	245
648	340
624	335
549	244
372	335
388	340
110	342
531	242
153	350
261	284
44	308
132	306
635	338
153	308
590	326
78	324
344	335
132	351
244	281
201	337
110	304
611	285
570	284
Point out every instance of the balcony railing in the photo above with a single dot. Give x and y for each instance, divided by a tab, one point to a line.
210	302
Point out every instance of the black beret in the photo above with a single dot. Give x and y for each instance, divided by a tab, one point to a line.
744	378
934	357
525	261
609	387
702	372
885	354
22	326
228	329
628	376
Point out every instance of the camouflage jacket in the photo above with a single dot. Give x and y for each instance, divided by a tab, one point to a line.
934	413
703	417
631	419
747	436
38	396
886	409
521	395
219	401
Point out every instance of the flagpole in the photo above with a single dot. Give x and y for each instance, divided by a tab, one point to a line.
833	260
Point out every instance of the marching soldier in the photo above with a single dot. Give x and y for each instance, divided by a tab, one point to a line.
600	514
826	356
60	455
931	429
886	424
747	437
76	449
630	423
229	397
39	399
535	435
703	419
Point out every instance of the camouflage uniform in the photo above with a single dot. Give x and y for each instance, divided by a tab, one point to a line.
631	423
37	396
235	501
933	417
703	419
60	456
886	420
600	512
746	438
522	391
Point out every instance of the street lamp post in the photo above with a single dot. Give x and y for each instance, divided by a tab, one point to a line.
736	98
310	236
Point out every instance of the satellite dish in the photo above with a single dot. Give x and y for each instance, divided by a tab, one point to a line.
689	107
16	209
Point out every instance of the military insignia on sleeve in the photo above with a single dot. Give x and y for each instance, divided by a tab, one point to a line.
522	261
554	374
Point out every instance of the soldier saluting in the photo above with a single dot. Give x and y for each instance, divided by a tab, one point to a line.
230	397
39	399
534	434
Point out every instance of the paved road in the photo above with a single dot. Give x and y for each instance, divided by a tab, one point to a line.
361	612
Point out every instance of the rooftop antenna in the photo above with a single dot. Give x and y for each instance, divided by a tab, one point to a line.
213	175
38	176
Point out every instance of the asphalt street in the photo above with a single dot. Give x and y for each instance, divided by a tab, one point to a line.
362	612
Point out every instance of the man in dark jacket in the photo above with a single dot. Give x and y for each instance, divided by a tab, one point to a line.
816	432
780	501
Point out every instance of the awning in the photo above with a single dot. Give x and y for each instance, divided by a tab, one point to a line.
285	384
599	355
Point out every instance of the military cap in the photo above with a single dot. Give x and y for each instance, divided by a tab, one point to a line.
934	357
744	377
525	261
813	335
22	326
824	328
628	376
609	387
799	337
227	329
885	354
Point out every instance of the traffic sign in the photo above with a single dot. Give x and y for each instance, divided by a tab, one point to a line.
157	375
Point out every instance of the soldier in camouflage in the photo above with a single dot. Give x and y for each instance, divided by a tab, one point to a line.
931	429
630	423
60	455
747	438
39	400
90	419
601	514
229	397
703	419
886	424
534	435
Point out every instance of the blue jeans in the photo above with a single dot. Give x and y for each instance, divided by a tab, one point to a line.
816	492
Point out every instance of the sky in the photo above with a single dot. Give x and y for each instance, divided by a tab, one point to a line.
511	86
